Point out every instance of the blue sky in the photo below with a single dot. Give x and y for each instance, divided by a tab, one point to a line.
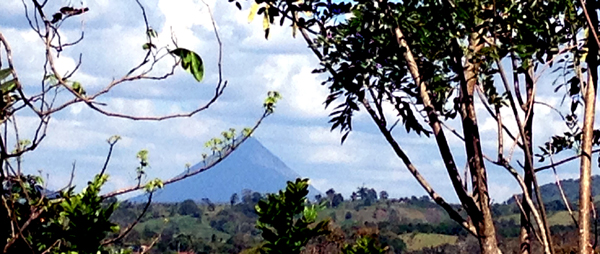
298	132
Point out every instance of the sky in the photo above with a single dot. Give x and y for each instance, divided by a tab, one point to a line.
298	133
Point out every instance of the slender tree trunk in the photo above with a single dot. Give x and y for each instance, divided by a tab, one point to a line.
525	237
483	222
585	198
530	177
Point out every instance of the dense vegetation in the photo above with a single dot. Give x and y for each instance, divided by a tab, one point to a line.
399	225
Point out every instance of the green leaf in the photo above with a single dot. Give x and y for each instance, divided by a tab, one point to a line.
153	185
247	132
8	86
190	62
148	45
152	33
310	213
142	154
78	88
4	73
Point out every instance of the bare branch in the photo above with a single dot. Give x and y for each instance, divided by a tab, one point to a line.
528	156
562	194
493	115
536	215
528	222
563	161
207	166
111	144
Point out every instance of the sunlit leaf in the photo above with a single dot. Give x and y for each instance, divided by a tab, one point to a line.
253	10
78	88
8	86
294	29
266	24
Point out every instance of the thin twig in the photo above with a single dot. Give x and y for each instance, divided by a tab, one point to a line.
562	161
207	166
562	194
111	144
525	217
132	225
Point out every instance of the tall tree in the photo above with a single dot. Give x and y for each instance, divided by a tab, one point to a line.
585	191
430	61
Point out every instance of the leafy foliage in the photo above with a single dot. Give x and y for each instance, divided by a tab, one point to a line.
84	218
68	223
270	102
284	219
364	245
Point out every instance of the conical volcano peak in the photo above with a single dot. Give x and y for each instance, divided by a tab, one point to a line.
251	166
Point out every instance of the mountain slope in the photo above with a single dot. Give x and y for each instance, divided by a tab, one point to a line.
551	193
251	166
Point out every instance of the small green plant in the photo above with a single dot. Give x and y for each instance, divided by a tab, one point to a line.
67	223
365	245
84	218
285	219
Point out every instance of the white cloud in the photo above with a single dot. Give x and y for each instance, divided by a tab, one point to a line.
307	95
328	154
298	132
180	18
64	64
502	192
291	76
12	7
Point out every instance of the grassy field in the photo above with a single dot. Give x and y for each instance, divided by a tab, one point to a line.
561	218
515	217
187	225
417	241
374	213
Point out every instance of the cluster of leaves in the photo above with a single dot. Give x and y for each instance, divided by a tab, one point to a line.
63	223
285	219
142	155
190	62
569	141
365	245
271	101
85	218
151	185
218	145
357	46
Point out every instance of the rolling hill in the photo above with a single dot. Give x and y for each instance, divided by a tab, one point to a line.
551	193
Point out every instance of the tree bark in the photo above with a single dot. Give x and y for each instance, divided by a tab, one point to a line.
477	207
525	236
483	220
585	197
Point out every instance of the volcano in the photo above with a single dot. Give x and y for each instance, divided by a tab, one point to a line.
251	166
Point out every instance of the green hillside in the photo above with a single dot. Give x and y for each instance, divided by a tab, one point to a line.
551	193
405	225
